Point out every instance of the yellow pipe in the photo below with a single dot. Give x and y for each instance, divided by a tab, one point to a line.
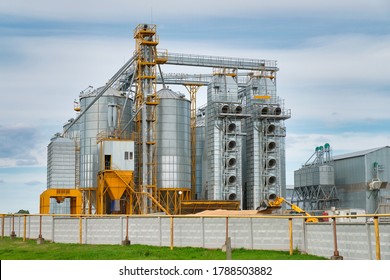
81	230
171	229
290	225
377	241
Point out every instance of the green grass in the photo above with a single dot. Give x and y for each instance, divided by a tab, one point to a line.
17	249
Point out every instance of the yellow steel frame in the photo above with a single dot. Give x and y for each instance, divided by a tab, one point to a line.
89	200
60	194
171	198
146	42
119	184
193	89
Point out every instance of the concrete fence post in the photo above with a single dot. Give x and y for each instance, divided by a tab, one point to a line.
13	234
40	238
52	228
202	231
2	225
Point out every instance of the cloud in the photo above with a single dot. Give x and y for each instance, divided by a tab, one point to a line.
120	10
54	71
34	183
20	146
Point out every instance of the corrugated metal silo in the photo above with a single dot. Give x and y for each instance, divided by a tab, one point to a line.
174	141
200	138
73	133
103	118
61	163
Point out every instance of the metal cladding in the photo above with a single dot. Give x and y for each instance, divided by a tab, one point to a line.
105	117
61	163
265	156
174	140
200	138
223	140
74	133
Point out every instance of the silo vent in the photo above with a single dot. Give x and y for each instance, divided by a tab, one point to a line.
231	162
231	144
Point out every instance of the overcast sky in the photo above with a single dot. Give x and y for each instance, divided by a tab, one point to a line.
333	56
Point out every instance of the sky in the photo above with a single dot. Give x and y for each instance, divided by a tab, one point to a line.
333	56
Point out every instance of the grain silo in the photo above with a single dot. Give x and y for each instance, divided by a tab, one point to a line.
61	173
174	147
106	118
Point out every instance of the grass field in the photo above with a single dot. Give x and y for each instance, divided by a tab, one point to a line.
17	249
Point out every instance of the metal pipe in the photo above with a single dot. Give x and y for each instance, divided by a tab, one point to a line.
336	251
336	255
106	87
377	241
227	229
127	95
162	77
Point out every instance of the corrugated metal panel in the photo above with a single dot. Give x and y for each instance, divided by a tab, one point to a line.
224	179
61	163
350	171
314	176
382	158
174	141
358	153
94	121
353	173
200	140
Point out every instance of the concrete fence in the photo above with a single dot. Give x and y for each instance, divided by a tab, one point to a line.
370	240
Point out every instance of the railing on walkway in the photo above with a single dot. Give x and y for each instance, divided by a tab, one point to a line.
25	224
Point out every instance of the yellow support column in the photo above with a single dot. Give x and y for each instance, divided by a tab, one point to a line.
377	240
193	89
146	101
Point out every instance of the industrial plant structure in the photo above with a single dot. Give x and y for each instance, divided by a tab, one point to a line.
358	180
138	147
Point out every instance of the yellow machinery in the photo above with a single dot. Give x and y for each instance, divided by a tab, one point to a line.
275	202
60	194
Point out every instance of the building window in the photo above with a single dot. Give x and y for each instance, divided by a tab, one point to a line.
128	155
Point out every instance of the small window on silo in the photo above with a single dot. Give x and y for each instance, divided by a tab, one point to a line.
131	155
126	155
